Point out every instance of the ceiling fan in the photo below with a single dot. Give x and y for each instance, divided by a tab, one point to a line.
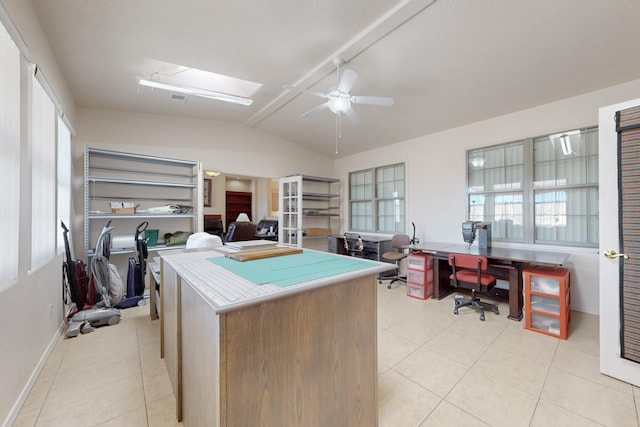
339	100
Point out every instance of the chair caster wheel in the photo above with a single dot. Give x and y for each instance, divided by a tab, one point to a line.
496	311
455	311
482	318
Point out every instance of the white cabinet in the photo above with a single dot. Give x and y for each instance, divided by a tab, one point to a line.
147	182
309	211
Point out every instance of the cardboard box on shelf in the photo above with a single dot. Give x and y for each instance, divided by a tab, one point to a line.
123	208
318	231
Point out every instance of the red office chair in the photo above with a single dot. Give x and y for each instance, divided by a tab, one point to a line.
469	273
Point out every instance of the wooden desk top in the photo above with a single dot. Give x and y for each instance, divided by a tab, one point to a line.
505	254
366	237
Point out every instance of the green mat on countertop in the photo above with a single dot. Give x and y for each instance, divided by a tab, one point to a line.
291	269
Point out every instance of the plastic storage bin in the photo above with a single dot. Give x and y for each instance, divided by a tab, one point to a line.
546	304
419	276
420	291
419	262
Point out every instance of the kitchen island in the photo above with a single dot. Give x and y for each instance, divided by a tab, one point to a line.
294	350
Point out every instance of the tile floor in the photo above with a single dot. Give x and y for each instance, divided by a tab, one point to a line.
435	369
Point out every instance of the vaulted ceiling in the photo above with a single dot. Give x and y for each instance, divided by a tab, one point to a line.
445	62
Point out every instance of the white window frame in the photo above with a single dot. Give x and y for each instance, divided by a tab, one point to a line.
531	190
369	189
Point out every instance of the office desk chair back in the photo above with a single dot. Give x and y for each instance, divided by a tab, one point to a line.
469	272
398	242
353	245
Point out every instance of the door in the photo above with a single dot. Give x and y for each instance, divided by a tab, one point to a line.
290	218
611	361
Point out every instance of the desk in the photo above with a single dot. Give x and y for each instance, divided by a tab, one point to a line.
374	245
505	263
153	268
266	236
248	355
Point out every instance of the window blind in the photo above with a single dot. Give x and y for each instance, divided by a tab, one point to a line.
64	179
10	158
43	172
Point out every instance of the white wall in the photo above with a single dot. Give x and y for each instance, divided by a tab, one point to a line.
230	148
31	308
20	20
435	173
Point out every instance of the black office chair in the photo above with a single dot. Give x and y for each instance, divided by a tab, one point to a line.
353	245
398	242
469	273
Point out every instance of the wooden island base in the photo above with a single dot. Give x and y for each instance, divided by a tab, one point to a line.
305	359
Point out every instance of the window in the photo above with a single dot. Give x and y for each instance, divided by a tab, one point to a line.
496	189
376	199
539	190
10	158
43	181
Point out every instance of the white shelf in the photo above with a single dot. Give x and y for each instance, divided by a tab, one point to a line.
140	216
308	202
146	181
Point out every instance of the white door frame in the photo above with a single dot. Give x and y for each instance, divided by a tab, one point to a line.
610	361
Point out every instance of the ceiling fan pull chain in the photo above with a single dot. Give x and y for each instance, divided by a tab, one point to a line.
337	131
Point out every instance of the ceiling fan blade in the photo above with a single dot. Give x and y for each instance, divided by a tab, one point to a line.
303	90
353	116
348	79
316	110
372	100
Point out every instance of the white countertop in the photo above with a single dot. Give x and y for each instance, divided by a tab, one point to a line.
226	291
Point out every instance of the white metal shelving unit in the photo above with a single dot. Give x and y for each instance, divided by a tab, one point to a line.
309	210
146	181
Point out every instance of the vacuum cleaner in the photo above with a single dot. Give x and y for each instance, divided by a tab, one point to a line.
137	271
102	314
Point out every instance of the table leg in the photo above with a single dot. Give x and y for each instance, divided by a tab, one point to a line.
515	293
441	283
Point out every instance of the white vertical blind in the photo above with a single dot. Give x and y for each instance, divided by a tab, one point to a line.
43	173
64	179
566	188
10	154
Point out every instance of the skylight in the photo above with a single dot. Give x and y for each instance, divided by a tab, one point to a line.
192	81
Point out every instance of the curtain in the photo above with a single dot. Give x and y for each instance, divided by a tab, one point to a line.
628	126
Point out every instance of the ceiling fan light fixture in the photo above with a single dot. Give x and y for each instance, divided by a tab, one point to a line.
339	105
